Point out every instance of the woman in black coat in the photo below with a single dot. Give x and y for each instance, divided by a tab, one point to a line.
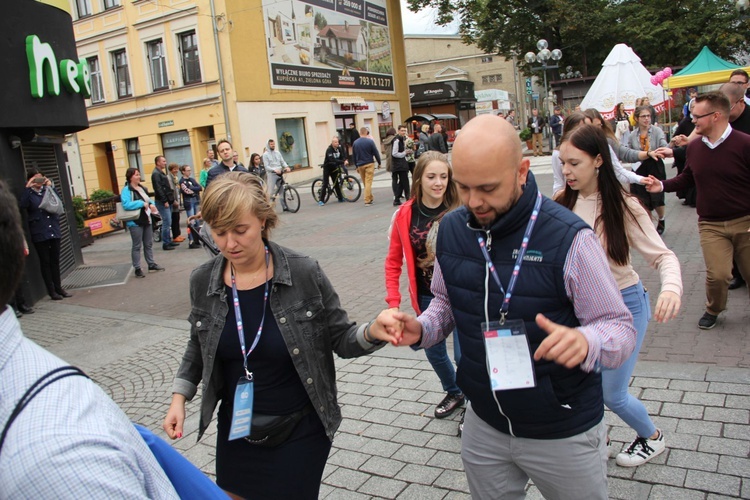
45	232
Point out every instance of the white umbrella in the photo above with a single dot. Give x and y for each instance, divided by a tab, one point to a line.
622	79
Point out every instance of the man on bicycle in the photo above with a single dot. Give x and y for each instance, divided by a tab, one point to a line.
335	159
275	166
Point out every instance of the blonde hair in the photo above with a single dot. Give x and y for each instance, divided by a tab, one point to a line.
206	160
425	127
231	196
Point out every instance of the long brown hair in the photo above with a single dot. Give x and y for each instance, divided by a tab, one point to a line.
450	198
571	122
594	114
593	141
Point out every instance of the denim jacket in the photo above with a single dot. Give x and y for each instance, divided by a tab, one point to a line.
310	318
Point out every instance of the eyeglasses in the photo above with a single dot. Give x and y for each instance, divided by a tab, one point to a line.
698	117
735	104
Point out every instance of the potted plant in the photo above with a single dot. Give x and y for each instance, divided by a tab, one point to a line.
84	233
525	135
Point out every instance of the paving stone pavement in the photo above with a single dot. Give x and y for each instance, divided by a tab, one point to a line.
695	383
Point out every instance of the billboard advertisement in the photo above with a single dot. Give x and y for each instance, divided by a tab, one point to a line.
341	45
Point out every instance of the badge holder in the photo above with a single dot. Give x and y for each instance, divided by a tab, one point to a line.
509	360
242	415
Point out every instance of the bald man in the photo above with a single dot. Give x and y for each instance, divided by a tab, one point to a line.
532	346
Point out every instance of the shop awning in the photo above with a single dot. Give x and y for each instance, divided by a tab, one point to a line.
445	116
350	100
421	117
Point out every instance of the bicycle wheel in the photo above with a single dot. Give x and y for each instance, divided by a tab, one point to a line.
351	188
317	191
291	197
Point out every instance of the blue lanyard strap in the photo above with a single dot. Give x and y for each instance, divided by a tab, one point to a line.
519	258
238	317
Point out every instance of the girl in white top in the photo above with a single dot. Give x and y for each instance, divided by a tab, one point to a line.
623	175
594	194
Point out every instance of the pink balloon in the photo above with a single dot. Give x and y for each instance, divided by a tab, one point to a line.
653	80
668	72
660	76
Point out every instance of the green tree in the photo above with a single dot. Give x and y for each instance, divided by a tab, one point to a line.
320	21
586	30
673	35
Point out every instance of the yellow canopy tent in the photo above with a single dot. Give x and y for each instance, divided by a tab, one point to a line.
706	69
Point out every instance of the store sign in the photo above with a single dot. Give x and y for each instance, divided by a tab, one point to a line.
491	95
329	44
433	91
167	123
175	139
484	107
346	108
44	69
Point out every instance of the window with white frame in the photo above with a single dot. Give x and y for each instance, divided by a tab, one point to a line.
134	154
157	63
97	86
487	59
84	8
122	77
111	4
189	58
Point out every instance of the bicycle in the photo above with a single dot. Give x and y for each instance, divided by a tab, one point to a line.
351	189
290	195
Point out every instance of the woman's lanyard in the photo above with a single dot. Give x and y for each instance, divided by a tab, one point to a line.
238	317
519	259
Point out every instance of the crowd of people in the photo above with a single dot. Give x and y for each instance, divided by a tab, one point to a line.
489	259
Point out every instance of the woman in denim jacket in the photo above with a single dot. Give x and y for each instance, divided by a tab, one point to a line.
292	323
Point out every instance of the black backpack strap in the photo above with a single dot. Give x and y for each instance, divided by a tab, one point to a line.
36	388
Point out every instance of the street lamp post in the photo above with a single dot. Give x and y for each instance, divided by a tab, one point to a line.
544	55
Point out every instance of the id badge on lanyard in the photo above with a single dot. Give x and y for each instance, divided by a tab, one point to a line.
509	360
506	343
242	412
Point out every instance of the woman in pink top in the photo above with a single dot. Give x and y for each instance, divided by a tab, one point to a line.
593	192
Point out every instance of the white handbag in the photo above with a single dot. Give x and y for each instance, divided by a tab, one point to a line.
127	215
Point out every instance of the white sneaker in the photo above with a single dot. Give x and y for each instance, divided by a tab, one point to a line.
641	451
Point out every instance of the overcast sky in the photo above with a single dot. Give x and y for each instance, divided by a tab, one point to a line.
423	22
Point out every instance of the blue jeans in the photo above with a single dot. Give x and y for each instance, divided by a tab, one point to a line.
615	382
166	223
191	208
437	355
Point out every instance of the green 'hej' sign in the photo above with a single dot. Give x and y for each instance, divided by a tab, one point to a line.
43	68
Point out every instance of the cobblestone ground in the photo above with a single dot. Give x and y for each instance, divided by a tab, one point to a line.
695	383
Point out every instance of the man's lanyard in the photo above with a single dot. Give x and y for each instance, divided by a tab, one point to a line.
238	317
519	259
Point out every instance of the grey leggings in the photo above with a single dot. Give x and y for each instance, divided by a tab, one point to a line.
142	236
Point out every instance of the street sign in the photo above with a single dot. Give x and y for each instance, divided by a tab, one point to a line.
528	86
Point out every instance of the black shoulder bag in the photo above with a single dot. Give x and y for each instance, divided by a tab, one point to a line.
36	388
